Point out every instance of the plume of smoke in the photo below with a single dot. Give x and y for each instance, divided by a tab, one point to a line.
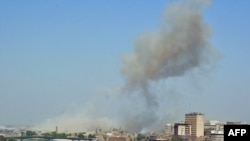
181	45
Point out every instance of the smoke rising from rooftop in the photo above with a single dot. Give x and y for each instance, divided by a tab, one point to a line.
179	46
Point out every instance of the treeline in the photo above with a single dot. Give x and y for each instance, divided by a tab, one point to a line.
59	135
141	137
64	135
2	138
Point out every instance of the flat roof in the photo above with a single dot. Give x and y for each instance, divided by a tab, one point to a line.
194	113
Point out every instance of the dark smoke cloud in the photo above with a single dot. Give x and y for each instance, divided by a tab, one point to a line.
181	45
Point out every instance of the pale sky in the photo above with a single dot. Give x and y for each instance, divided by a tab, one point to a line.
62	57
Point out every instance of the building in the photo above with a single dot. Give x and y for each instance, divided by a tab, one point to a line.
235	123
169	129
182	129
196	120
213	127
179	129
158	137
117	138
217	137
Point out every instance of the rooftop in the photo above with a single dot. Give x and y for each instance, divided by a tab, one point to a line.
193	113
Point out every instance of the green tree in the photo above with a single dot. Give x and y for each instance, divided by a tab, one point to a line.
22	133
176	139
58	135
2	138
30	133
46	134
53	134
140	137
90	136
81	136
61	135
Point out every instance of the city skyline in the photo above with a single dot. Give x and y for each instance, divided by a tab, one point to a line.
61	61
193	128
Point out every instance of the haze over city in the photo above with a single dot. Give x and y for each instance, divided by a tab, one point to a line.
138	65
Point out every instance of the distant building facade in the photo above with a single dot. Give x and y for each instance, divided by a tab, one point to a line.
217	137
179	129
196	120
235	123
117	138
169	129
182	129
213	127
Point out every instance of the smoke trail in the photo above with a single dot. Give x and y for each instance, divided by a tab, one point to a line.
181	45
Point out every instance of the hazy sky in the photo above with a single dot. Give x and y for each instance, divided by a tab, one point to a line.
62	57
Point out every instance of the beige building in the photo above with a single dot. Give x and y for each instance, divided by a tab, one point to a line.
179	129
196	120
182	129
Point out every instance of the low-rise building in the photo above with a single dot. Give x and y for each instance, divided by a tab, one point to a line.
117	138
213	127
182	129
216	137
